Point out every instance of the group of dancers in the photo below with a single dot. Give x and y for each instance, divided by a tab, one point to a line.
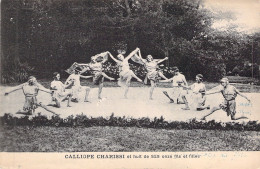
71	89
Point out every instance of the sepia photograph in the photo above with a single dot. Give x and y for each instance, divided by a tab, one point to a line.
122	76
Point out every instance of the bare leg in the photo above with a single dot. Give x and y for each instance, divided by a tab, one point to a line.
211	112
186	103
106	76
127	86
45	107
57	103
24	112
161	75
152	89
137	78
69	100
233	117
100	87
86	95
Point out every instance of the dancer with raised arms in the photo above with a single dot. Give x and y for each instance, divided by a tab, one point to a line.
125	74
151	65
96	69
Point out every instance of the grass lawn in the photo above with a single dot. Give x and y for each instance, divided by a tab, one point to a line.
242	87
127	139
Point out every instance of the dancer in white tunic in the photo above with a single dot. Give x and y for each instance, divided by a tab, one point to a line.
178	82
76	87
197	97
125	74
151	65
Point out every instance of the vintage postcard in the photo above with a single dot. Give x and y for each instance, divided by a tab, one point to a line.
130	84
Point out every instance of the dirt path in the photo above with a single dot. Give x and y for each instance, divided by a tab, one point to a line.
136	106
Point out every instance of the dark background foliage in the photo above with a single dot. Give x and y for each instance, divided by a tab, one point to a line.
43	36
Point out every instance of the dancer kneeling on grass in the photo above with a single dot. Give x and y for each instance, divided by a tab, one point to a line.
125	74
151	66
198	97
76	87
30	90
229	93
178	82
95	67
59	92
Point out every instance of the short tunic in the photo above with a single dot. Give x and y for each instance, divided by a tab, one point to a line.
152	73
229	104
30	93
125	73
96	71
178	81
60	92
198	95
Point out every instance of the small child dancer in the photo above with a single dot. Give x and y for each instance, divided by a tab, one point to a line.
59	92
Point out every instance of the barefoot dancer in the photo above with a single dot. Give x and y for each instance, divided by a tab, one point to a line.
59	92
179	81
125	74
198	94
76	87
229	93
151	66
30	90
95	67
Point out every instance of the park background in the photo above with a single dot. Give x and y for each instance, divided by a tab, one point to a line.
39	37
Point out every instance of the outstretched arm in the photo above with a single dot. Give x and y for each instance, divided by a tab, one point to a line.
15	88
239	93
85	77
139	52
112	57
45	90
167	80
214	90
85	69
162	60
132	53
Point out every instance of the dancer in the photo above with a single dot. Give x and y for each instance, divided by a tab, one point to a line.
229	93
151	65
74	79
179	81
125	74
198	94
59	92
30	90
95	67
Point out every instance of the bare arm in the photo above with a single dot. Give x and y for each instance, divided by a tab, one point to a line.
105	56
132	54
239	93
45	90
84	70
85	77
143	60
15	88
162	60
112	57
68	79
167	80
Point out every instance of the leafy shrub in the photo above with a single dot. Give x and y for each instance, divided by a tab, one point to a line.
159	123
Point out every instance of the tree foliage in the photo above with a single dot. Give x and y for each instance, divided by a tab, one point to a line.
49	35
